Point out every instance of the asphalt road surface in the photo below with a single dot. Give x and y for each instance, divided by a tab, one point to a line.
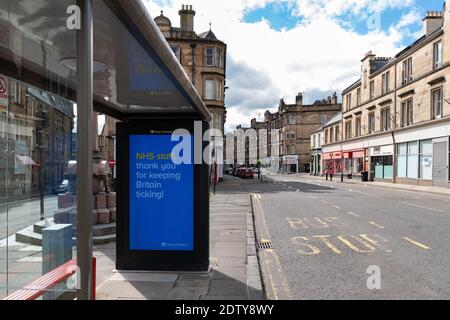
342	241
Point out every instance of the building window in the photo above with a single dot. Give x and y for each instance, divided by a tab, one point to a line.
16	92
337	134
437	55
326	136
407	113
407	71
177	52
219	58
292	119
219	90
290	135
358	127
436	102
209	89
209	56
385	83
331	135
348	129
358	97
371	122
385	124
372	89
349	101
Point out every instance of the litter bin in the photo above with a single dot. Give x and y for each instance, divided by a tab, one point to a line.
365	176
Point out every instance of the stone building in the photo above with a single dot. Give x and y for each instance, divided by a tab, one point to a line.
294	124
203	57
396	117
35	142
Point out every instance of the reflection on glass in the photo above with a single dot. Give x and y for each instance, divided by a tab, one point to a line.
36	139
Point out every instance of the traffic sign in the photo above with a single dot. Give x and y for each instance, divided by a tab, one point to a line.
3	91
112	163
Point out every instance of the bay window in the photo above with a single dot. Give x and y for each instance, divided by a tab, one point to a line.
209	89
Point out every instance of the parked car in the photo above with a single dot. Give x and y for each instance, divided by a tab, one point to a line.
63	187
246	173
229	170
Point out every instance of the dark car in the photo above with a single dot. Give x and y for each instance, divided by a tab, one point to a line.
63	187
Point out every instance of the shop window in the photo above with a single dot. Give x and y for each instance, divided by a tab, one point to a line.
426	160
413	160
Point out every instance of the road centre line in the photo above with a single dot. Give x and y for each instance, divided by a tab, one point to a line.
353	214
422	207
376	225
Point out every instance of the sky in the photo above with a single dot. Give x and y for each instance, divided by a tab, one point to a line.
279	48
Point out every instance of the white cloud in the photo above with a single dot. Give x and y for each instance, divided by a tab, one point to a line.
319	55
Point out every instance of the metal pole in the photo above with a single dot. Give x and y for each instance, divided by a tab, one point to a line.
84	154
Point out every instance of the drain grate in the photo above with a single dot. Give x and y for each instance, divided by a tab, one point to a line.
264	245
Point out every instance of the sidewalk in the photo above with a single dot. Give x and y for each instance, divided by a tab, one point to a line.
357	180
234	267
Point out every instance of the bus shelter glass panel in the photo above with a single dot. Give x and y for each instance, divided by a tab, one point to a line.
38	201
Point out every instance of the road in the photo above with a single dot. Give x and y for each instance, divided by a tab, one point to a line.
326	235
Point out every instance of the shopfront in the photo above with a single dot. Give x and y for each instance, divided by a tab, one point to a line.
354	162
290	164
382	162
46	113
333	162
316	163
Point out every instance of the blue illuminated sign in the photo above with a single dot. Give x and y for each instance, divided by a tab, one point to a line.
161	196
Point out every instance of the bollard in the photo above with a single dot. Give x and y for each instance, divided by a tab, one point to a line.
326	176
331	177
342	177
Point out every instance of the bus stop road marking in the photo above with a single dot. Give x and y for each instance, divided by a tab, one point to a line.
420	245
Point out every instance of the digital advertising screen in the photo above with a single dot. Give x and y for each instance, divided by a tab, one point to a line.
161	195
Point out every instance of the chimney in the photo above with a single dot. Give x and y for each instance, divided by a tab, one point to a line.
186	18
334	99
299	99
433	21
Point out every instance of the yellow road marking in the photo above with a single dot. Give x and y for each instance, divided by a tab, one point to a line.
355	248
420	245
328	243
376	225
